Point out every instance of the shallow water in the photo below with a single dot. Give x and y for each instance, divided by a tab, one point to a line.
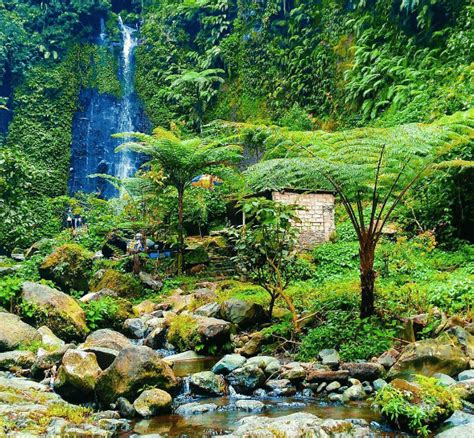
224	421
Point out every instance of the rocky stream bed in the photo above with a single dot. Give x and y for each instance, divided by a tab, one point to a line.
135	382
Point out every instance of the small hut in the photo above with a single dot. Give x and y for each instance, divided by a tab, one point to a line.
316	214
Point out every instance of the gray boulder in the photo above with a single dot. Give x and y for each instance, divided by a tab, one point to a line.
207	383
463	431
250	405
444	379
14	332
466	375
229	363
134	327
242	313
195	408
363	370
211	310
246	379
329	357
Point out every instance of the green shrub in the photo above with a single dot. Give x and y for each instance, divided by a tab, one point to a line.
416	406
10	290
333	260
352	337
107	312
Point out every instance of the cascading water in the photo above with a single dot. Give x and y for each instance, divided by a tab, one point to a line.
102	115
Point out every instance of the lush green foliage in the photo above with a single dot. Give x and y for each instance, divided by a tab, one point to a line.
417	406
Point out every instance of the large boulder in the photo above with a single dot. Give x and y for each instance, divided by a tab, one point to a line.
134	368
462	431
427	357
320	376
123	284
212	330
14	332
77	375
246	379
48	360
53	308
242	313
69	267
106	338
152	402
207	383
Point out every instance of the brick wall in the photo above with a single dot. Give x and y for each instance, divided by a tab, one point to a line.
317	215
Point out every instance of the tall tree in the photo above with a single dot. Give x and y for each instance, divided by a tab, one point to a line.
370	169
180	160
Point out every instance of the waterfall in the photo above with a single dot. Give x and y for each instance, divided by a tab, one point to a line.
102	115
126	167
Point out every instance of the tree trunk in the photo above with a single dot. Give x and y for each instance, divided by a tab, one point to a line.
180	259
272	304
367	279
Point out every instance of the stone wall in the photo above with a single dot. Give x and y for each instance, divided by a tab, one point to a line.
317	215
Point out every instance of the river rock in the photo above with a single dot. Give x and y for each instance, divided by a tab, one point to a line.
388	358
195	408
459	417
211	310
466	375
467	389
11	360
242	313
106	338
444	379
463	431
297	425
125	408
379	384
295	374
354	392
333	386
269	364
149	281
250	405
317	376
60	312
246	379
207	383
152	402
95	296
212	330
329	357
229	363
430	356
363	370
280	387
14	332
134	327
156	338
134	368
77	375
48	338
183	357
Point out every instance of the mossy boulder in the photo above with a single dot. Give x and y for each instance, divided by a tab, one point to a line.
69	266
134	368
14	332
191	332
196	256
124	284
54	309
207	383
416	406
429	356
106	338
152	402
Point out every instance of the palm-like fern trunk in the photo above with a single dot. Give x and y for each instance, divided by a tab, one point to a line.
367	277
180	259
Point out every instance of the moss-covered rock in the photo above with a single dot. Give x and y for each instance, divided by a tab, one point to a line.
134	368
416	406
14	332
69	266
125	285
50	307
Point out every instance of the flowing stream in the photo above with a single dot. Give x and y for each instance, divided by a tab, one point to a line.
102	115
